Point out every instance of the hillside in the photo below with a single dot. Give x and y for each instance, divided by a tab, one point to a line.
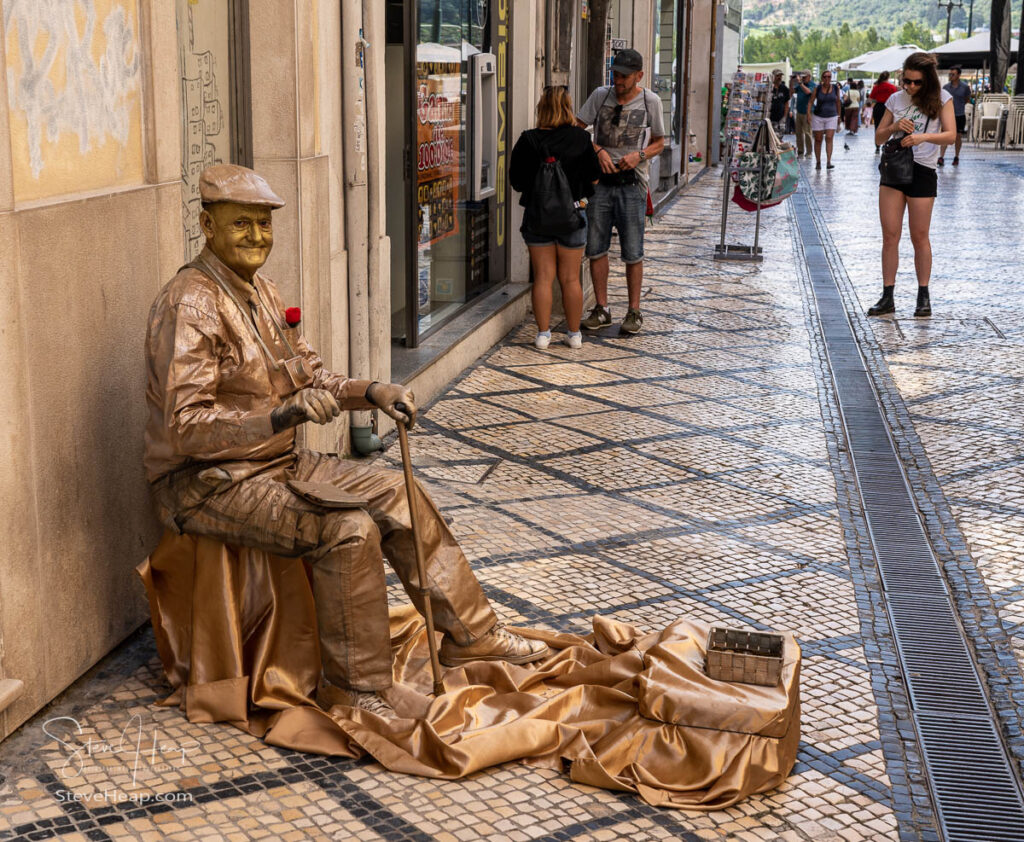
886	16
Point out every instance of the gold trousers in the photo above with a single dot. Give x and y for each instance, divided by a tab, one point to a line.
248	503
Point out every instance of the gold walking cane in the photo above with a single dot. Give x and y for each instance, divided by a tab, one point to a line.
421	566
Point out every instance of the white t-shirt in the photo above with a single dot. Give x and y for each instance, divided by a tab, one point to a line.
900	104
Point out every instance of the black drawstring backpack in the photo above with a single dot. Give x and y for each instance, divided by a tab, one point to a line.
550	207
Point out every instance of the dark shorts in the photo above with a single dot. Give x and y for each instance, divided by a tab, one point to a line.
961	124
922	187
575	240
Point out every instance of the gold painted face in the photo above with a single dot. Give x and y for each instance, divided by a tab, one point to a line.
240	235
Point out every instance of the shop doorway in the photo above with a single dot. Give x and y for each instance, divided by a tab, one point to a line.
445	158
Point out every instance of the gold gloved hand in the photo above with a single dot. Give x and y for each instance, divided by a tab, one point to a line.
395	400
316	405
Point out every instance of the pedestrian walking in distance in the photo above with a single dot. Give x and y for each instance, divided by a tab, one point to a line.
852	109
628	130
558	158
961	93
865	106
823	109
880	92
804	89
922	114
779	111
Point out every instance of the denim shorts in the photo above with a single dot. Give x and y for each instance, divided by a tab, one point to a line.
575	240
624	207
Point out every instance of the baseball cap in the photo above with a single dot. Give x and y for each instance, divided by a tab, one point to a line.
627	61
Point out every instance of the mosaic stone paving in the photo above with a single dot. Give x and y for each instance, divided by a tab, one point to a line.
952	385
688	471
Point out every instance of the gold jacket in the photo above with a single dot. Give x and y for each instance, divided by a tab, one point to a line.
216	352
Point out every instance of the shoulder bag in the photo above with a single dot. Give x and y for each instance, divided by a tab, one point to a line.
897	164
757	167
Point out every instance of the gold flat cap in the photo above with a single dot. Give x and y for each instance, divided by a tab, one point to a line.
232	183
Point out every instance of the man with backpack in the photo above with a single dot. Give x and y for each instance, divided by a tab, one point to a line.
628	130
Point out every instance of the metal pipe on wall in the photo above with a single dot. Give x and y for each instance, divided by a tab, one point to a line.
550	12
379	304
685	98
712	55
354	168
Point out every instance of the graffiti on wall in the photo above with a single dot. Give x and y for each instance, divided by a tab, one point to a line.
73	86
203	44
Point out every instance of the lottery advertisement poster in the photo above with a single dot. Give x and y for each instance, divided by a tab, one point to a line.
438	125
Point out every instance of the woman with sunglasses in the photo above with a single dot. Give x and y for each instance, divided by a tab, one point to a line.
922	115
824	108
556	138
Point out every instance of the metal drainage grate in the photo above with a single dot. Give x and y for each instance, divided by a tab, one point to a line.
973	804
974	788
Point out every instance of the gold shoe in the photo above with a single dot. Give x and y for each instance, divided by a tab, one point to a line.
499	644
329	695
374	703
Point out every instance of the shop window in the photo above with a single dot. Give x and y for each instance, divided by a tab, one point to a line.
454	248
666	64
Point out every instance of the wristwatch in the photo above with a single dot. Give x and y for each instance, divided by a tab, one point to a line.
643	155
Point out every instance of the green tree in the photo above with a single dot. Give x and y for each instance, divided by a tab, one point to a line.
913	33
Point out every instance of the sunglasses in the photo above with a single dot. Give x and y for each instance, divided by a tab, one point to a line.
915	82
616	115
556	88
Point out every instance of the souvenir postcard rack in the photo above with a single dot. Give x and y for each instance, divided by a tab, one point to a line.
748	99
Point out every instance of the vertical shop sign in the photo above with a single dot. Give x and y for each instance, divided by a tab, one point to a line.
438	112
501	50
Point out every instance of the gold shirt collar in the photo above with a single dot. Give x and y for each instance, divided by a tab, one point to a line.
239	286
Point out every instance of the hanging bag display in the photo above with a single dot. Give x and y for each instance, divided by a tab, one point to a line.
787	170
787	176
757	181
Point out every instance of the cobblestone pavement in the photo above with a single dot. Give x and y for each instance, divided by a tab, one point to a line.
692	470
951	384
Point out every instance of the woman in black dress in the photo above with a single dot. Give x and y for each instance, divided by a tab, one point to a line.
556	138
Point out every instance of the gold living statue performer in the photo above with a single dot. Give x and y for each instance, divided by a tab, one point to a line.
229	380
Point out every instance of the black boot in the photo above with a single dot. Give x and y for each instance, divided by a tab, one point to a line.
924	303
885	304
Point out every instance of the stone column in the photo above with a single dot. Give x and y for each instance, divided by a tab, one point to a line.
291	44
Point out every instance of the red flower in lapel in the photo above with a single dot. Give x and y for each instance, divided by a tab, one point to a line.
293	315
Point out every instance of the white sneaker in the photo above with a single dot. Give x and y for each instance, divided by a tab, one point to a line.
542	340
574	340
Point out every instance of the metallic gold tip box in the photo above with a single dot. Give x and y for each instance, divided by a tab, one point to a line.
747	656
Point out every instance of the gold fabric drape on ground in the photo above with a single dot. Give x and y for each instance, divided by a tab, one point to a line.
236	631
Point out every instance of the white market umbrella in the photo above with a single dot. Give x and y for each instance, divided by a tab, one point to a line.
891	58
855	62
979	44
